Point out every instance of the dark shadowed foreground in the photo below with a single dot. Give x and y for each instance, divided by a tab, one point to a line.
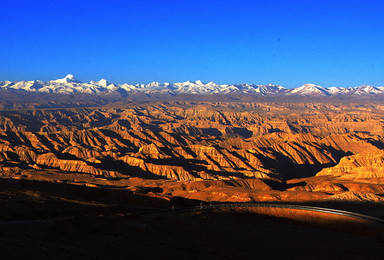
59	221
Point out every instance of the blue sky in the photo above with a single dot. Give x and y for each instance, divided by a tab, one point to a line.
290	43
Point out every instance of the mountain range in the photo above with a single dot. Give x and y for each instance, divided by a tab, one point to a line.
70	85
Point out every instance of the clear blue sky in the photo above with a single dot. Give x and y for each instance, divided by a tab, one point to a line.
330	43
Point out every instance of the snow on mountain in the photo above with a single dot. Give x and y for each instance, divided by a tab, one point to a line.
367	89
70	85
103	82
198	87
128	87
30	86
5	84
107	85
338	90
269	89
309	90
68	79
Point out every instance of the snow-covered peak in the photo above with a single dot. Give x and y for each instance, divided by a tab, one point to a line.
337	90
308	86
70	77
67	79
154	84
4	84
367	89
310	89
103	83
269	89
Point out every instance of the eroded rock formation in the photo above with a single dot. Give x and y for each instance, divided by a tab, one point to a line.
195	141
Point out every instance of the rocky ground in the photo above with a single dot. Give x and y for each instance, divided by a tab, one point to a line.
76	182
211	151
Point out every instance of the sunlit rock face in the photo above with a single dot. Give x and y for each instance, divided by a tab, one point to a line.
365	165
215	142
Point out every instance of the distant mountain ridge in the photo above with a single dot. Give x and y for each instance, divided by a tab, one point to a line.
70	85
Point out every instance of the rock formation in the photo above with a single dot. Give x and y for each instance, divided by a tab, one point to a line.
225	143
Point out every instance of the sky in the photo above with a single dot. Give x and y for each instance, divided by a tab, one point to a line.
285	42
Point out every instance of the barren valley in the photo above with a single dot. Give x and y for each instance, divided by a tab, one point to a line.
127	158
211	151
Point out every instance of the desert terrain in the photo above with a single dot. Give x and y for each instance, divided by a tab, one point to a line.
94	171
211	151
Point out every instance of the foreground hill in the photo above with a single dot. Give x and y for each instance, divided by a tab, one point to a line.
41	220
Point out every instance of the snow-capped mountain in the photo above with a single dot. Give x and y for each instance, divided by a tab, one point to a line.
309	90
70	85
68	79
367	89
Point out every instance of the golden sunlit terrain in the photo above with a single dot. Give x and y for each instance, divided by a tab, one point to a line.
211	151
122	172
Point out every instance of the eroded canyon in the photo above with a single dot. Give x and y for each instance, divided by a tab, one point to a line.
211	151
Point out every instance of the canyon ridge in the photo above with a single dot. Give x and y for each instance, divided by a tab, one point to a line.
203	150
